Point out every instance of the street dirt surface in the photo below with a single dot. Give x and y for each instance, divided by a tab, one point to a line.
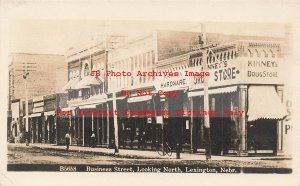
36	155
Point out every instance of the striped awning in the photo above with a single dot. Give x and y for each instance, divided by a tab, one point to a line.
264	103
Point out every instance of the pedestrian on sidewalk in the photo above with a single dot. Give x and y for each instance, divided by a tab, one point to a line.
93	140
67	140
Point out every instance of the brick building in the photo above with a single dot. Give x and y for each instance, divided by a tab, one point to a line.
45	70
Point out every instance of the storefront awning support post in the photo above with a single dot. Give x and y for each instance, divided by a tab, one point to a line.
115	124
70	125
83	130
92	122
192	127
115	114
107	121
243	123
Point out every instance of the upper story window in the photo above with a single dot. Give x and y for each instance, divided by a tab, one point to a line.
86	70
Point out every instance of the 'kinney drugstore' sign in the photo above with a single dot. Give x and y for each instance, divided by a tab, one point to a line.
262	71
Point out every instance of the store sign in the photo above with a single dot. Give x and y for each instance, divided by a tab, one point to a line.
221	73
240	71
171	83
262	70
38	109
49	105
38	104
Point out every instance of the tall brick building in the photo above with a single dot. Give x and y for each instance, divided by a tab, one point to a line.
47	76
40	82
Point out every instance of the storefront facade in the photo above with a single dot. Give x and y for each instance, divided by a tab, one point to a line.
87	99
173	96
137	93
41	119
15	128
244	80
245	84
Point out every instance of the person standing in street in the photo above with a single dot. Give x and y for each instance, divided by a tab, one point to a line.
67	140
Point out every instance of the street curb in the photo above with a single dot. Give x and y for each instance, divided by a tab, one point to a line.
137	156
101	153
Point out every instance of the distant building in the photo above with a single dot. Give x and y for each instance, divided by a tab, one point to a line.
45	76
40	82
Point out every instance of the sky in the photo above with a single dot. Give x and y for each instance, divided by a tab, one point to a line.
56	36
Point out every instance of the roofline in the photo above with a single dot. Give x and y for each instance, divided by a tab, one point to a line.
239	41
133	41
24	53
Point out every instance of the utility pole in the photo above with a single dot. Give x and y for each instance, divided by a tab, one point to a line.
206	108
26	73
114	90
27	67
205	49
116	131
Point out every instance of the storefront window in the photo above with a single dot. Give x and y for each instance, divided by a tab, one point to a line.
96	90
85	93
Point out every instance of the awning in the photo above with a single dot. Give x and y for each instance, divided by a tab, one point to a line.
74	83
68	108
88	81
49	113
88	106
139	99
117	98
214	91
71	84
264	103
34	115
68	85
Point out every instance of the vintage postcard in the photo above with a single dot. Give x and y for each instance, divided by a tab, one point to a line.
132	97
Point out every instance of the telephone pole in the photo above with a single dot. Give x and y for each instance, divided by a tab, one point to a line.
26	106
205	50
27	67
206	108
114	90
116	131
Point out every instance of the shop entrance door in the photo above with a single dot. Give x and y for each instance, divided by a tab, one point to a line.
220	131
262	135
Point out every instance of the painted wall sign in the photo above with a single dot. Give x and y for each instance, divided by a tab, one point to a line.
221	73
172	82
262	70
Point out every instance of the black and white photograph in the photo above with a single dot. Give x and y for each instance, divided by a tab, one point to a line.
122	96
